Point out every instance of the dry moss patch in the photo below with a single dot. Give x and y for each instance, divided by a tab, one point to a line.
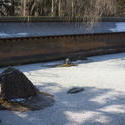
38	102
66	65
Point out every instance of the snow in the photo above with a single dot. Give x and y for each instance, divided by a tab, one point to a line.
120	27
12	29
102	102
17	100
5	35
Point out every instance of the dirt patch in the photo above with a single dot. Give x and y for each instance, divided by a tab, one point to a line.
38	102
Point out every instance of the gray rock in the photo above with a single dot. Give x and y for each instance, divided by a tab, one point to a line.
67	61
75	90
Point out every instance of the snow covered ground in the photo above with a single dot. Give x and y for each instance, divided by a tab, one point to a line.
119	27
102	102
12	29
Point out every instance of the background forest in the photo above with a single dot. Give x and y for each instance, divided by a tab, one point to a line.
62	8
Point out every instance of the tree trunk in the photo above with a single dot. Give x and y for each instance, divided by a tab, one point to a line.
59	8
52	9
72	8
24	8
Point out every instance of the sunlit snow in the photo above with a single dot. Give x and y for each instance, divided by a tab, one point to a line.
102	102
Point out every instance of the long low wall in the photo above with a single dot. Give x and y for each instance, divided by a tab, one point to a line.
16	51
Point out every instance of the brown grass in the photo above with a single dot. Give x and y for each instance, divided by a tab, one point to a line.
12	106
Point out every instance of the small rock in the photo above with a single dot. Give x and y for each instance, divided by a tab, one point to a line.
75	90
67	61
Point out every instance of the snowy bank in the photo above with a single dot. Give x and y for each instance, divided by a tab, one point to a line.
102	102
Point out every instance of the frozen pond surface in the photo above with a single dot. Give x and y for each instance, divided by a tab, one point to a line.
102	102
10	30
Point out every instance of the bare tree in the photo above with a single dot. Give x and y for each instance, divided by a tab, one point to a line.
23	8
52	8
97	8
89	10
59	7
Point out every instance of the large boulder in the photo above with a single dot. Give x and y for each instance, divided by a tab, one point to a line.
14	84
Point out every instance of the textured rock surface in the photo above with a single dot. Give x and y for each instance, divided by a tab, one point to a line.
14	84
75	90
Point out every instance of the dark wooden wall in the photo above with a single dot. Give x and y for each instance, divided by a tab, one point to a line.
29	50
